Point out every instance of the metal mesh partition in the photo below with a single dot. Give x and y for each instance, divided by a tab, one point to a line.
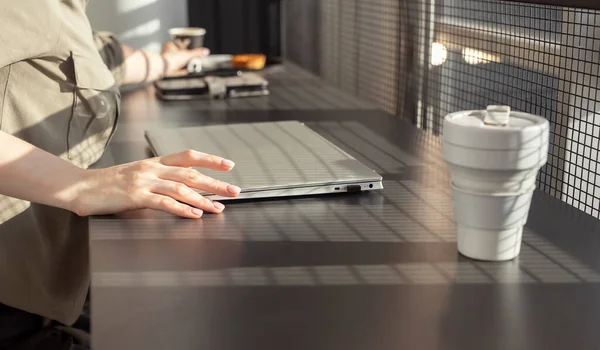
536	58
422	59
359	48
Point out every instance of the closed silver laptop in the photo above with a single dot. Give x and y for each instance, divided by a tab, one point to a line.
273	159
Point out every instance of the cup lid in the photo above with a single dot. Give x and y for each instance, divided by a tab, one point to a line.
497	128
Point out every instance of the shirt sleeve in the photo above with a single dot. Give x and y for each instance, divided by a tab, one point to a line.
111	51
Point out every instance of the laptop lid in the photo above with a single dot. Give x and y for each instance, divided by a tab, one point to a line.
269	156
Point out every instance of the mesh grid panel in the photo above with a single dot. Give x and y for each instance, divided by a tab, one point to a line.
359	48
423	59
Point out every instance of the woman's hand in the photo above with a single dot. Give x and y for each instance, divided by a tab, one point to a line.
177	58
165	183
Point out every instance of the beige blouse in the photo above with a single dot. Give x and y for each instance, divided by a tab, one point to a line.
58	93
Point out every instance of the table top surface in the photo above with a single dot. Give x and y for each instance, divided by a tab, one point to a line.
376	270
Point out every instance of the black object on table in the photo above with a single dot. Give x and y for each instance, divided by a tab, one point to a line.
204	74
352	271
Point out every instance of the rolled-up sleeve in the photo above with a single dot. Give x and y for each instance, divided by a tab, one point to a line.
111	51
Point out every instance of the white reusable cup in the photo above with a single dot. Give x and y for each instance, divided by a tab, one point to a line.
494	156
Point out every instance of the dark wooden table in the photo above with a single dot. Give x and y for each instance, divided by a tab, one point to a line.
347	271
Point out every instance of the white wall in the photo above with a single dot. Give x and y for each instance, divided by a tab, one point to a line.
142	24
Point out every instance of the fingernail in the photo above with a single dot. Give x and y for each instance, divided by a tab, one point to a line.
227	163
233	189
197	212
218	205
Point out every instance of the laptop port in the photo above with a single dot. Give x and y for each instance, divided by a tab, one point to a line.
353	188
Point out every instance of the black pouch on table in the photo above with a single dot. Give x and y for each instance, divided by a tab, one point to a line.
232	84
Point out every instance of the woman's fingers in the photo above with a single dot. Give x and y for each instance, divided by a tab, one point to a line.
191	158
182	193
194	179
199	52
170	205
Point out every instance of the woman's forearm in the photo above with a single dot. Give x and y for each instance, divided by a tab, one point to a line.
142	66
29	173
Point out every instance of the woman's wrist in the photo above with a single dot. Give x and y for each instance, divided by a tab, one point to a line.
73	197
143	66
165	65
158	66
